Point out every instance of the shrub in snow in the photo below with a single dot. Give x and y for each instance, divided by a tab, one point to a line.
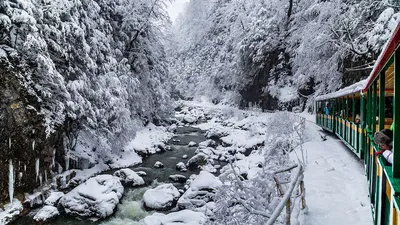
158	164
202	190
163	197
251	201
97	197
178	178
129	177
181	167
184	217
46	213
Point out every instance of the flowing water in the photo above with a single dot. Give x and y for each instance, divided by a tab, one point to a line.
130	210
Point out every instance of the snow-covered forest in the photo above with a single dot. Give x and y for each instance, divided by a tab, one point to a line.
275	53
97	85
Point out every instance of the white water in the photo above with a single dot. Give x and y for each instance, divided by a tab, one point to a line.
9	142
33	145
37	168
11	180
130	211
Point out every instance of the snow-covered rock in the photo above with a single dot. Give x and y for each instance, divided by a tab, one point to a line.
163	197
48	212
10	212
129	177
184	217
192	143
97	197
184	156
197	160
141	173
202	190
158	164
53	198
178	178
181	167
208	143
189	119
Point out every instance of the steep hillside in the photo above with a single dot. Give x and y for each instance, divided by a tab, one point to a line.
276	54
78	78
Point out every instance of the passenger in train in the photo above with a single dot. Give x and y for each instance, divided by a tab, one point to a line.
357	120
384	139
326	110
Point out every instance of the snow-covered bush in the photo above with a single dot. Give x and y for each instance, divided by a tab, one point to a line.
244	199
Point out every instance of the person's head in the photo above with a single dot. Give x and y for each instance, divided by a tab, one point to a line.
384	139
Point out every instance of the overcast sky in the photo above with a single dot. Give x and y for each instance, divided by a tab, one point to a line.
175	8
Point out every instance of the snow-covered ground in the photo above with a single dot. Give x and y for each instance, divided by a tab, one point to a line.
336	188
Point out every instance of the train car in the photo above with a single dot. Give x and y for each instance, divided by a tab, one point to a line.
356	112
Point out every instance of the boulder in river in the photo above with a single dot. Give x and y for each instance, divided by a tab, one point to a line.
178	178
163	197
97	197
129	177
181	167
201	191
184	217
158	164
46	213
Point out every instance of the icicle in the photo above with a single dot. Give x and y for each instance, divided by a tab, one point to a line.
60	169
33	145
63	182
11	181
45	176
24	167
37	168
54	158
66	162
9	142
20	177
40	179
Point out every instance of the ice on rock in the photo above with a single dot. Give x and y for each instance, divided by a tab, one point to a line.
163	197
184	217
48	212
97	197
129	177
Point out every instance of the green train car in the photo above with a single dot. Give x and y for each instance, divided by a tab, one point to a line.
356	112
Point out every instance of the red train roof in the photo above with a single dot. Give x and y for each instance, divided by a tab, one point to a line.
385	55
